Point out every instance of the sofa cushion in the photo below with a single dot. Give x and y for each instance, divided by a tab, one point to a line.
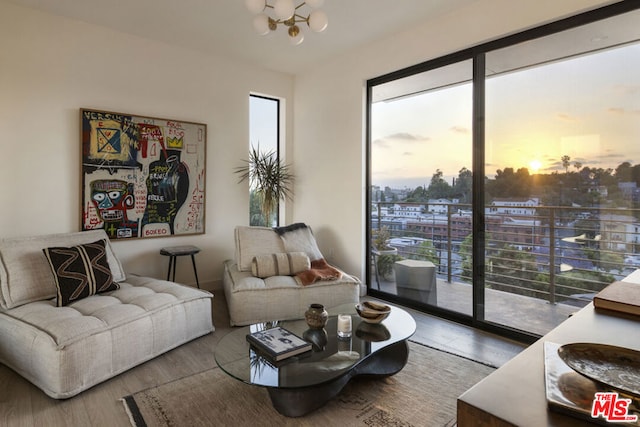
65	350
25	274
254	300
280	264
80	271
253	241
299	237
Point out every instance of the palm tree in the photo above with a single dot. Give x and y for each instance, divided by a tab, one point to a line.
566	162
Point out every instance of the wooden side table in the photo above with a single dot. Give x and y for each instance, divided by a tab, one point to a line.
174	252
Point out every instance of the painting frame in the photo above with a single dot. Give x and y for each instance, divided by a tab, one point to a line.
142	176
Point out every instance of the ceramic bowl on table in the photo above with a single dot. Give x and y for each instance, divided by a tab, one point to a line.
373	312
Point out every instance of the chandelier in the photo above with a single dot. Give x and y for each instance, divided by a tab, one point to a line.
285	12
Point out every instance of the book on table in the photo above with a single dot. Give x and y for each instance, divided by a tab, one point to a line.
623	297
278	343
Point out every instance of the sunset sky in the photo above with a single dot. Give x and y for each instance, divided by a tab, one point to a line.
587	108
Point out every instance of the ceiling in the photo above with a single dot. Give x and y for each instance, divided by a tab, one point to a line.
224	27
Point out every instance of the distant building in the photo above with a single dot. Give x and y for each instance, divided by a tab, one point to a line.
440	206
627	189
520	232
601	190
523	206
407	210
619	232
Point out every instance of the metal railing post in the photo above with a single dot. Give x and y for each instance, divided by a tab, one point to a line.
449	252
552	256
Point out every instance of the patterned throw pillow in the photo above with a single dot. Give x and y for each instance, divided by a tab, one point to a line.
80	271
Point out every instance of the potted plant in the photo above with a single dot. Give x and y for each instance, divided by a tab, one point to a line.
270	180
385	255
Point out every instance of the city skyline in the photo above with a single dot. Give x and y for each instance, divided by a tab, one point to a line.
586	107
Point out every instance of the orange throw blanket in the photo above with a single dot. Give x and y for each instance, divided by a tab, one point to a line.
320	270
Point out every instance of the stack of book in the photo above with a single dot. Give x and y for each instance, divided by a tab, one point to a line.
278	343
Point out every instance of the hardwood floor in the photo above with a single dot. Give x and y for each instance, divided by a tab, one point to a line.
22	404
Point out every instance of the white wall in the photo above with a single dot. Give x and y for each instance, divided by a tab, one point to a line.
50	67
330	112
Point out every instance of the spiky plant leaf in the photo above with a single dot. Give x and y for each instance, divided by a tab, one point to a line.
269	178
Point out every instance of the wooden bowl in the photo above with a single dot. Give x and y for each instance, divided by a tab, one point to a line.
372	312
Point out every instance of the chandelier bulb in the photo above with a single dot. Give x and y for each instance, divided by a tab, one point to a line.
318	21
314	3
269	14
284	9
294	31
262	24
296	35
255	6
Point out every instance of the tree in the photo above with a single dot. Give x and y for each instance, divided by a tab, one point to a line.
624	172
463	187
256	217
439	188
466	256
635	174
566	162
578	166
419	194
509	183
426	251
513	269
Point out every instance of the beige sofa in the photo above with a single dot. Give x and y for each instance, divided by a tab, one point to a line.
65	350
254	299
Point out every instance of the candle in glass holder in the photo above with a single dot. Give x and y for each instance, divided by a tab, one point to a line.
344	325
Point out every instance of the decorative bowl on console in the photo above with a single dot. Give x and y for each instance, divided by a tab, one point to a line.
373	312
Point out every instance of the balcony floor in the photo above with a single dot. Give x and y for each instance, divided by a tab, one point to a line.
516	311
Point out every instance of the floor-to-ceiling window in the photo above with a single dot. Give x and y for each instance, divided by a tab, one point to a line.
562	124
418	187
511	170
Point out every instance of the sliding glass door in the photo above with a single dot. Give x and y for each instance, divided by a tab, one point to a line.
509	174
562	125
420	212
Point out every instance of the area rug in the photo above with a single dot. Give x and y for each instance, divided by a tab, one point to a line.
424	393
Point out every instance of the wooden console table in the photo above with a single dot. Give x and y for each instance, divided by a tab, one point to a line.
514	395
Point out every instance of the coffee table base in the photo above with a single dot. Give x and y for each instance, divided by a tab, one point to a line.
296	402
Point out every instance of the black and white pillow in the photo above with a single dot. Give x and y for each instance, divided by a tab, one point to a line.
298	237
80	271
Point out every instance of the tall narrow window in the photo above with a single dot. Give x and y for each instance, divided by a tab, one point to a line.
264	137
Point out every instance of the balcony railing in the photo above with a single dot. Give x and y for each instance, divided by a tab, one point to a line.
558	254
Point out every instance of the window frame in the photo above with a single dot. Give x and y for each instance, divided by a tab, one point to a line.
279	142
477	54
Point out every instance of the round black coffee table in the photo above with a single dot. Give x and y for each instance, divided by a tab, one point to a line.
303	383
